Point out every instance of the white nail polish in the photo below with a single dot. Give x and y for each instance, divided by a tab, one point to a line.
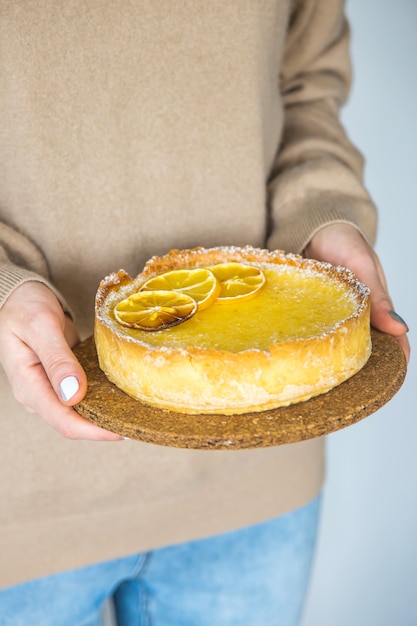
68	387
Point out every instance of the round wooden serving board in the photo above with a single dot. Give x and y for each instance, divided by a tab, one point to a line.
372	387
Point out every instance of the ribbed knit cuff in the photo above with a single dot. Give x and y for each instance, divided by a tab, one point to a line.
12	276
295	228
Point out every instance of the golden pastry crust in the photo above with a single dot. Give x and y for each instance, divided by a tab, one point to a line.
193	379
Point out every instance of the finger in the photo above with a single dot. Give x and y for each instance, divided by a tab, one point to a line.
383	315
34	391
40	323
45	339
32	388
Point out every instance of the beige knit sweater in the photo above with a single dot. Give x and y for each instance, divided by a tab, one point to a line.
128	128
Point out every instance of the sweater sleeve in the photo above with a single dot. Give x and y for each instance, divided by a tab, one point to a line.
317	175
21	262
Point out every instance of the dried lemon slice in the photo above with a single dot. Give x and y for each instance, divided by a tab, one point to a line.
199	283
155	310
238	280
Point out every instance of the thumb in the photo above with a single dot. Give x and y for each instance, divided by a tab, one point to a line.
383	315
63	370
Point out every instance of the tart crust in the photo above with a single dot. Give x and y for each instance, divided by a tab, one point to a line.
192	379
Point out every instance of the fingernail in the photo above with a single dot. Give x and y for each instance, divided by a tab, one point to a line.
398	318
68	387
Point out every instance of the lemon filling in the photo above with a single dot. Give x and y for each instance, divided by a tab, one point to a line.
283	304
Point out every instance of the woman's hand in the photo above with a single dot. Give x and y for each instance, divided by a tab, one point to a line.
342	244
36	338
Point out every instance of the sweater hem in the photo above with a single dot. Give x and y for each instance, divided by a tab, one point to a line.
95	538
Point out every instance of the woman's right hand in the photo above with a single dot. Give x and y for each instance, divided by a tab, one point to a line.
36	338
342	244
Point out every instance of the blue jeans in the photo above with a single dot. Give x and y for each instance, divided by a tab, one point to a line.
251	577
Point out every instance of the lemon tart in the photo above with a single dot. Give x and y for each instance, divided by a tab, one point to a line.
231	330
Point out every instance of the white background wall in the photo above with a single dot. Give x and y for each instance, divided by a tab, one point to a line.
366	566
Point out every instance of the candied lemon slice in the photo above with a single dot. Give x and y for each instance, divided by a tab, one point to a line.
155	310
238	280
199	283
